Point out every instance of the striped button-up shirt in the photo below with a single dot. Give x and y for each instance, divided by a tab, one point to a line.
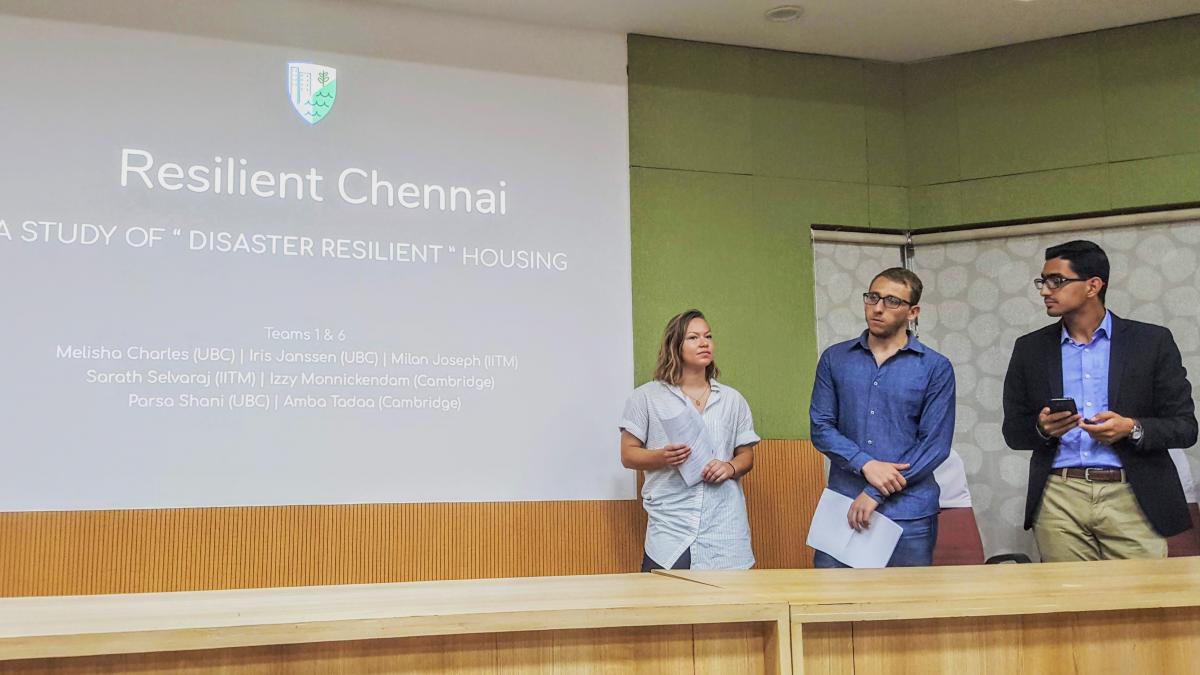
709	519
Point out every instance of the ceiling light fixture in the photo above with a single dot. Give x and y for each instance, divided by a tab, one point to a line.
784	13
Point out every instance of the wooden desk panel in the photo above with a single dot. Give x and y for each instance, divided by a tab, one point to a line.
968	590
655	649
626	623
993	619
1102	617
1118	642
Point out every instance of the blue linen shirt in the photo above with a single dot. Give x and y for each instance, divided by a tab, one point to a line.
902	411
1085	379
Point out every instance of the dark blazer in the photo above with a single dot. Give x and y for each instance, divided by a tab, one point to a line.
1146	381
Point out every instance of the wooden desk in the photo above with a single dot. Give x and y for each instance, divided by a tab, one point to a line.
612	623
1110	617
1100	617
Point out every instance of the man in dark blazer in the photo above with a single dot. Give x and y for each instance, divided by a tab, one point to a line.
1101	482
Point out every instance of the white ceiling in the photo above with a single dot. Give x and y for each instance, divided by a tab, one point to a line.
884	30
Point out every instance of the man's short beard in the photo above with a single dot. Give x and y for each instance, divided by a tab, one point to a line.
889	334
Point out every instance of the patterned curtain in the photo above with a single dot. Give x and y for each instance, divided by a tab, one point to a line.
979	298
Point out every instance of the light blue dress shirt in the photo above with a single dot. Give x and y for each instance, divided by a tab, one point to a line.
1085	379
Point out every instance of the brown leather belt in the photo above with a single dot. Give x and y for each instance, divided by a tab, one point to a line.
1093	475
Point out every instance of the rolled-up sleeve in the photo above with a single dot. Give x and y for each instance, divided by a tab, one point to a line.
745	434
636	418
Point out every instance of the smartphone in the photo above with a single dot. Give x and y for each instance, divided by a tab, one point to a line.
1058	405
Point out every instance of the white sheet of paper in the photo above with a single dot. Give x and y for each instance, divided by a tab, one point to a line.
688	428
831	532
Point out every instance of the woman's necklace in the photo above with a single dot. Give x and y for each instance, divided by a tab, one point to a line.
699	401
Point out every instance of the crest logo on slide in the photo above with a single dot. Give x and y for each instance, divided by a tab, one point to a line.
312	88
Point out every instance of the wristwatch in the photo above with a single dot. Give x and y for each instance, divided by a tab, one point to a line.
1136	434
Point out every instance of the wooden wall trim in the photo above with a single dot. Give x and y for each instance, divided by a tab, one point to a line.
781	496
137	551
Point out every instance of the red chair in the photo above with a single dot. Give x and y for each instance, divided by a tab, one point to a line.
958	541
1187	542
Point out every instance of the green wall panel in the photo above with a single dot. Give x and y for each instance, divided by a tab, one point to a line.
1151	78
1155	182
826	202
887	155
782	373
689	105
676	262
1032	195
1000	124
1031	107
931	121
935	205
737	248
888	207
808	117
734	152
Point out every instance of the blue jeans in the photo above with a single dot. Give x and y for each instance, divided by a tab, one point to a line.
915	548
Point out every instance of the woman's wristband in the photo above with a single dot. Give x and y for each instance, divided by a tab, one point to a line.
731	466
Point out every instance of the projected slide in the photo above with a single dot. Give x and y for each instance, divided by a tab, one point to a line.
239	274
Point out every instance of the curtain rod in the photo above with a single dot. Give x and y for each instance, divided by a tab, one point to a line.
1057	226
1004	231
836	237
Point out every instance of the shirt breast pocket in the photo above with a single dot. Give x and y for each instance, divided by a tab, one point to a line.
722	437
909	400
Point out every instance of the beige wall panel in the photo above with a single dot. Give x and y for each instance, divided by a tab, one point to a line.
529	653
781	496
1145	641
90	552
955	645
828	648
731	648
642	651
1149	641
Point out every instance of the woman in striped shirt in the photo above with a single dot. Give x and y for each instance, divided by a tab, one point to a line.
694	437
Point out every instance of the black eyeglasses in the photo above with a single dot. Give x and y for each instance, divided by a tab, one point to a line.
889	301
1054	282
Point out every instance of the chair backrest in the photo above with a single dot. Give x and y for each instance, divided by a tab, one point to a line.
958	541
1185	474
1187	542
951	477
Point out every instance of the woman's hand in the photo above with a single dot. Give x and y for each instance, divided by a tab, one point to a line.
675	454
717	471
636	456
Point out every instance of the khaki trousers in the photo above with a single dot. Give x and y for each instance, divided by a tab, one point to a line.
1085	520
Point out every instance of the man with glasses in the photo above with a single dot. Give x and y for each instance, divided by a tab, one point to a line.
883	412
1101	482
